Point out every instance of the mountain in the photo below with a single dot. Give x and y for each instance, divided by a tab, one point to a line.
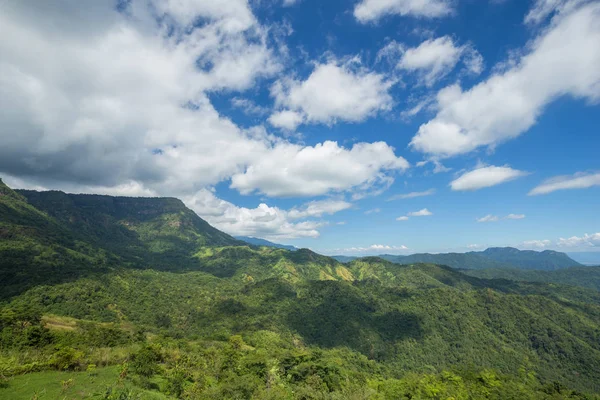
262	242
495	257
344	259
112	297
588	277
527	259
455	260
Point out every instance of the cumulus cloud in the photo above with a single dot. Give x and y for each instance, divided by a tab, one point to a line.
435	58
263	221
373	10
483	177
294	170
286	119
403	218
334	91
373	211
91	97
412	195
488	218
586	240
562	60
515	216
566	182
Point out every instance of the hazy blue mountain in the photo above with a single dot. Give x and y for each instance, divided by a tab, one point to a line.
528	259
262	242
345	259
495	257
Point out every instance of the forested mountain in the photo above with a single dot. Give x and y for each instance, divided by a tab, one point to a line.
262	242
588	277
120	298
495	257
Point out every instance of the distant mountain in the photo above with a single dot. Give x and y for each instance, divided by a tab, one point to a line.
345	259
262	242
548	260
454	260
495	257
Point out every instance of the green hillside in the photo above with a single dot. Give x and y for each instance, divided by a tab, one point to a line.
117	298
588	277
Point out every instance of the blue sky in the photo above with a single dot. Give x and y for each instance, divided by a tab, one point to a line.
351	127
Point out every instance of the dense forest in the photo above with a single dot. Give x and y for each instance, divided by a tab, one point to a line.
129	298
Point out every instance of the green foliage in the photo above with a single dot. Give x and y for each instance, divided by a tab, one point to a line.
145	361
170	306
588	277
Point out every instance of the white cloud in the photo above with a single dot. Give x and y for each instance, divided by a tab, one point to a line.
293	170
248	106
263	221
403	218
335	91
563	60
438	166
515	216
373	10
286	119
567	182
483	177
374	248
435	58
421	213
373	211
412	195
474	246
102	99
319	208
488	218
586	240
536	244
543	8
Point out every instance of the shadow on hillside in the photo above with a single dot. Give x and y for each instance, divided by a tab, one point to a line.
333	314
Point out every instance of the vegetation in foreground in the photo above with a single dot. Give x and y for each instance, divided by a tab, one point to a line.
116	298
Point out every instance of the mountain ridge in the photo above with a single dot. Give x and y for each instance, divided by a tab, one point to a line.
493	257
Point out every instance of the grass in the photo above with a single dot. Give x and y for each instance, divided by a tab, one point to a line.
55	385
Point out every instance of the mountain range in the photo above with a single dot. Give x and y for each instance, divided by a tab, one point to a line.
494	257
140	298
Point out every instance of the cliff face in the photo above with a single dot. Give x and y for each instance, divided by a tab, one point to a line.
116	219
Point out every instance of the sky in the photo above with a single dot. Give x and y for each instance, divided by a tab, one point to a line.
348	127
